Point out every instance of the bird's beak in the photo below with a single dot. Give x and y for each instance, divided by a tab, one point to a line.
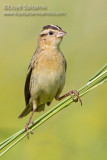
61	33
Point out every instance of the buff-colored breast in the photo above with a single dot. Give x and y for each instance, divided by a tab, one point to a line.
48	76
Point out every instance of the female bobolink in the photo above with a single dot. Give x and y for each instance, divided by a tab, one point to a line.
46	73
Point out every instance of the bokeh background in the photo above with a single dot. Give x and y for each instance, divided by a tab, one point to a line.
75	133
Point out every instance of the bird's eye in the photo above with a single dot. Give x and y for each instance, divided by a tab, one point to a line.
50	32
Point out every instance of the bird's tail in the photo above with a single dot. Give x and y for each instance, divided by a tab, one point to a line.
25	111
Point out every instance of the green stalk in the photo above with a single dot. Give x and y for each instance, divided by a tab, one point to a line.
98	72
96	81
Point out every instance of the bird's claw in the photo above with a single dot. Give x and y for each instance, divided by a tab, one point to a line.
27	128
76	93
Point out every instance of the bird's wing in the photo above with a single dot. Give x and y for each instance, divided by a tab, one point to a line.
65	65
29	72
27	84
27	92
64	60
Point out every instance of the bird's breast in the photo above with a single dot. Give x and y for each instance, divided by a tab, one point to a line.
47	77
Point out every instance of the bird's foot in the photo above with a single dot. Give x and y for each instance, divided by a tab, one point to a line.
27	127
76	93
30	122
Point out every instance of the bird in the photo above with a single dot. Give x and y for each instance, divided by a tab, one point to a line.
46	73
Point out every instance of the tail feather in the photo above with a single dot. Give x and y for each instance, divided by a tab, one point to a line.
25	112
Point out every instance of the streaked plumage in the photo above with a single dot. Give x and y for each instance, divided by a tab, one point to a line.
46	73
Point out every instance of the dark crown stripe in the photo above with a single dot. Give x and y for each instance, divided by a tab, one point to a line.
52	27
59	27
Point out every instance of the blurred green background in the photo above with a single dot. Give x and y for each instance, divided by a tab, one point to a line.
76	133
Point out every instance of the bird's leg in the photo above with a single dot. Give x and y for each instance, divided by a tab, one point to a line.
71	94
31	122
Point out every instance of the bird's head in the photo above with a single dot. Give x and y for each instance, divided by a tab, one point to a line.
51	36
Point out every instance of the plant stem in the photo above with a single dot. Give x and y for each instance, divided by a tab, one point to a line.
98	72
96	81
